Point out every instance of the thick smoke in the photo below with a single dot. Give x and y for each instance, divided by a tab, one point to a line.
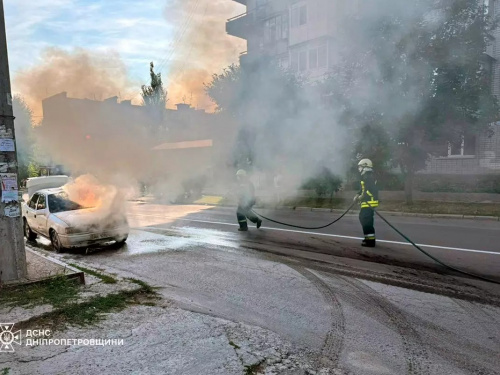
201	47
293	131
106	201
285	130
81	73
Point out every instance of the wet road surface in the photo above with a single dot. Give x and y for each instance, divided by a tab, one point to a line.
471	245
198	260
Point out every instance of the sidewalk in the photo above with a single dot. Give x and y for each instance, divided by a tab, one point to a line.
146	334
40	267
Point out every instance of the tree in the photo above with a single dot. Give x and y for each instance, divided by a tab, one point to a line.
325	183
25	140
422	77
154	97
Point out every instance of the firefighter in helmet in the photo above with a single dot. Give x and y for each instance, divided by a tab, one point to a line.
246	200
368	199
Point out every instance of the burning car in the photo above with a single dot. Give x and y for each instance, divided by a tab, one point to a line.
51	213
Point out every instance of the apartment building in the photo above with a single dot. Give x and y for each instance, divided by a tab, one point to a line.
302	35
296	33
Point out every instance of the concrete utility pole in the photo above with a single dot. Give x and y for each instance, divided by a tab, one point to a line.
12	251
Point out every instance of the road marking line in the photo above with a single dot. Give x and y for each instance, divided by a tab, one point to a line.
334	235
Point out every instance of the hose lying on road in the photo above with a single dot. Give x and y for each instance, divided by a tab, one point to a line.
300	227
433	257
397	230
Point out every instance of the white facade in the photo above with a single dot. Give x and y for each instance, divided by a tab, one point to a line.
296	33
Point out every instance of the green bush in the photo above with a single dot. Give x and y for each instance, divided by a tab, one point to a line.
390	181
385	181
438	183
324	184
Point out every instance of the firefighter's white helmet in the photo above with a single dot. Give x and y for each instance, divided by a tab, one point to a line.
365	163
241	173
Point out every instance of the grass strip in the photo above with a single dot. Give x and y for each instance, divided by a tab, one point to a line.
56	292
88	312
104	278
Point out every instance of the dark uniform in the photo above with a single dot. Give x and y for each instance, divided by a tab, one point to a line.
246	200
368	198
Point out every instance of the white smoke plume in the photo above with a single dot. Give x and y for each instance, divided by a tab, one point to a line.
200	48
82	73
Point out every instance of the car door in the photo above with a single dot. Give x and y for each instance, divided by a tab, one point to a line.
41	215
30	212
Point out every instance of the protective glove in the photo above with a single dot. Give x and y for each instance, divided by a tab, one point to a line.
356	198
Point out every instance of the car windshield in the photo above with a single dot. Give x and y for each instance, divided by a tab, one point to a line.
60	203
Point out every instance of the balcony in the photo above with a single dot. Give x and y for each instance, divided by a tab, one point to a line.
240	26
244	58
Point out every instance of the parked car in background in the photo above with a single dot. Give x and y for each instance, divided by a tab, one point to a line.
51	214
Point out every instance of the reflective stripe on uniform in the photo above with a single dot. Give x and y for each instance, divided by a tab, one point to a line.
372	203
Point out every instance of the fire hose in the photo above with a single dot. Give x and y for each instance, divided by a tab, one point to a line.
397	231
298	226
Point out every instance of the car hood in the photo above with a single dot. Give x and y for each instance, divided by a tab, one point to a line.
89	217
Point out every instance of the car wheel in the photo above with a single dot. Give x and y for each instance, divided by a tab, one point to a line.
121	240
56	242
30	235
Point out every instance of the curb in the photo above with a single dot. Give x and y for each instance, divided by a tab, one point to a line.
75	275
396	213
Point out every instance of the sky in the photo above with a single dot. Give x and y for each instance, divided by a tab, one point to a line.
137	31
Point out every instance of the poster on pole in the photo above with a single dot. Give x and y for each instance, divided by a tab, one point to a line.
10	196
7	163
8	181
7	145
12	209
9	188
5	133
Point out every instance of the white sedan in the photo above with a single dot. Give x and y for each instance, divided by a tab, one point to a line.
51	214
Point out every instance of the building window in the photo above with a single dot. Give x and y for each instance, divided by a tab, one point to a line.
294	63
318	57
303	15
302	61
276	29
298	61
312	58
465	147
299	15
322	57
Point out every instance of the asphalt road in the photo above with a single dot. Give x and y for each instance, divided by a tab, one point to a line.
198	260
469	245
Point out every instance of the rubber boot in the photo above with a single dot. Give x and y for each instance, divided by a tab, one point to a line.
259	223
368	243
243	228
